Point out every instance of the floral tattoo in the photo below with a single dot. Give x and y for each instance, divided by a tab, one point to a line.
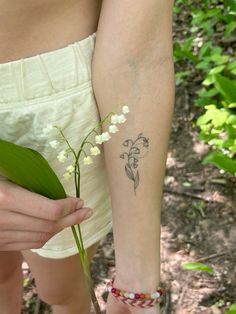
137	149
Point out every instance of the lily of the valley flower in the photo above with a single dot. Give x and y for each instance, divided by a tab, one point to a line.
99	139
88	160
115	118
113	128
125	109
105	136
70	168
121	118
54	144
67	176
95	151
62	156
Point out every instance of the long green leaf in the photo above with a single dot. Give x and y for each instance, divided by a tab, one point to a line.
197	266
226	87
221	161
29	169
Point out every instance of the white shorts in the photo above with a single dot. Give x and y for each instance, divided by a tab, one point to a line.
55	88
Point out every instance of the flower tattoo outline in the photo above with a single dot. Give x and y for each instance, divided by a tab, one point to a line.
137	149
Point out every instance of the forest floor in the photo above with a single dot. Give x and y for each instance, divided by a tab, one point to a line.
198	224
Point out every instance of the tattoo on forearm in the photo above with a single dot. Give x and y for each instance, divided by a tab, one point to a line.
137	149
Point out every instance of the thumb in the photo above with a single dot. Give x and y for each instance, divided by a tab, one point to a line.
68	205
75	218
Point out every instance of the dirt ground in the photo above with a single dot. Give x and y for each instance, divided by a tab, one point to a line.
198	224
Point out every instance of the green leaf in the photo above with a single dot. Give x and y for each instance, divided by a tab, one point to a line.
233	71
213	12
231	119
230	28
226	87
231	66
231	4
221	161
219	59
209	93
232	309
220	118
197	266
204	65
208	80
217	69
29	169
188	43
204	49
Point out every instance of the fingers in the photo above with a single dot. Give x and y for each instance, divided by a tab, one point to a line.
9	236
35	205
29	220
10	220
11	240
75	218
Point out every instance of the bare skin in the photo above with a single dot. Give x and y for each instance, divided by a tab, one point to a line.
31	27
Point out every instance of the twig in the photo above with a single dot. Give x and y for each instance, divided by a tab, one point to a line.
188	194
212	256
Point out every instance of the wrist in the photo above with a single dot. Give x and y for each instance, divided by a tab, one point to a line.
137	300
138	275
137	282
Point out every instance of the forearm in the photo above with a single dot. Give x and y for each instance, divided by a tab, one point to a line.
147	89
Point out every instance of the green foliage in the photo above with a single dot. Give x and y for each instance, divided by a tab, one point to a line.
29	169
197	266
211	22
232	309
218	129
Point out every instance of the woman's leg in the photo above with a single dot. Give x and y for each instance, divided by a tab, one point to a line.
11	282
60	282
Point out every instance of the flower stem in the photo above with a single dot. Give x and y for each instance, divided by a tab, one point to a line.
85	264
82	251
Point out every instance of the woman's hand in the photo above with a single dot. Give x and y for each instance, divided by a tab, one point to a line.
116	307
28	220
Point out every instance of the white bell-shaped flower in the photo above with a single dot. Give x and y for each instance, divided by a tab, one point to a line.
88	160
125	109
62	156
94	151
113	128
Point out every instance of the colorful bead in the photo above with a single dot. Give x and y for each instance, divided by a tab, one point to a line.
155	295
131	295
126	294
136	299
147	296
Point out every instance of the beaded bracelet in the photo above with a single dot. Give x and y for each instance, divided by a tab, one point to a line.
143	300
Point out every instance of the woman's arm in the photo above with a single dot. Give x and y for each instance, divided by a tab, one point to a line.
133	65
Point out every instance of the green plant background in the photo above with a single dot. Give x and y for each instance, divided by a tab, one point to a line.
212	63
